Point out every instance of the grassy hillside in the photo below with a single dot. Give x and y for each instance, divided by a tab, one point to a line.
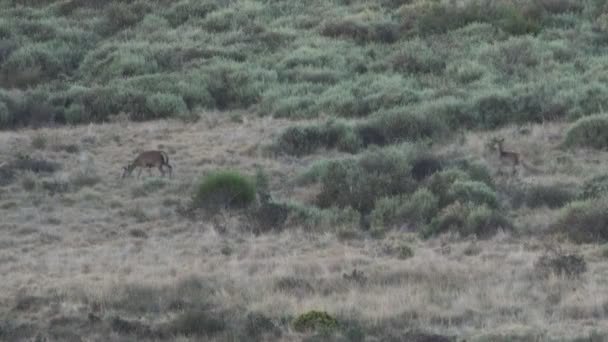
336	170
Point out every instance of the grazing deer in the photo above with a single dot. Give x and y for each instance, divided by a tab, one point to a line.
510	157
148	159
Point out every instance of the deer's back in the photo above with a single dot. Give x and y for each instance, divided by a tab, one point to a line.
150	158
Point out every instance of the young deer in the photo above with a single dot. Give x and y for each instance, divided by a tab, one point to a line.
510	157
148	159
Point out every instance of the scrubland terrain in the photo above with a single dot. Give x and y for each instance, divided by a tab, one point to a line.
336	172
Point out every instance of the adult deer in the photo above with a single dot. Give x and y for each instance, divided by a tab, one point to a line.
509	157
149	159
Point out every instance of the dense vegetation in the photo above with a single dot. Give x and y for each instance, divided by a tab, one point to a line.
476	63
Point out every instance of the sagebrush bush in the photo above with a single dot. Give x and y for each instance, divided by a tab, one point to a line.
569	265
552	196
591	131
197	323
303	140
224	190
416	210
315	321
584	221
595	187
357	183
468	219
441	183
472	191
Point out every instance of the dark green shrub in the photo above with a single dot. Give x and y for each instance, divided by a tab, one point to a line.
467	219
396	126
223	190
441	183
584	221
417	210
362	32
165	105
591	131
472	191
302	140
569	265
185	10
552	196
424	166
358	183
119	15
36	165
418	57
257	326
595	187
315	321
197	323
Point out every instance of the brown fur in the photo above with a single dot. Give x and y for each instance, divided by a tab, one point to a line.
148	159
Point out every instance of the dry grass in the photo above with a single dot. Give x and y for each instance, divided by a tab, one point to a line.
78	260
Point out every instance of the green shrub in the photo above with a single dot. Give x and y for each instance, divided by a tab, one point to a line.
417	210
303	140
185	10
358	183
362	32
441	183
595	187
197	323
223	190
472	191
165	105
569	265
440	17
397	126
315	321
591	131
417	57
468	219
584	221
552	196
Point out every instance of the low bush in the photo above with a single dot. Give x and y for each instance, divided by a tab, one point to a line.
561	264
224	190
406	125
303	140
552	196
361	31
315	321
584	221
197	323
474	192
441	183
416	210
468	219
595	187
358	183
591	131
36	165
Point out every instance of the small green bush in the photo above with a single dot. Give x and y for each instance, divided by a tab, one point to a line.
315	321
468	219
397	126
552	196
584	221
358	183
595	187
165	105
303	140
197	323
472	191
223	190
417	209
591	131
569	265
441	183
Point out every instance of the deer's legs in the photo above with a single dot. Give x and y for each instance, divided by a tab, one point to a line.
139	172
160	168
